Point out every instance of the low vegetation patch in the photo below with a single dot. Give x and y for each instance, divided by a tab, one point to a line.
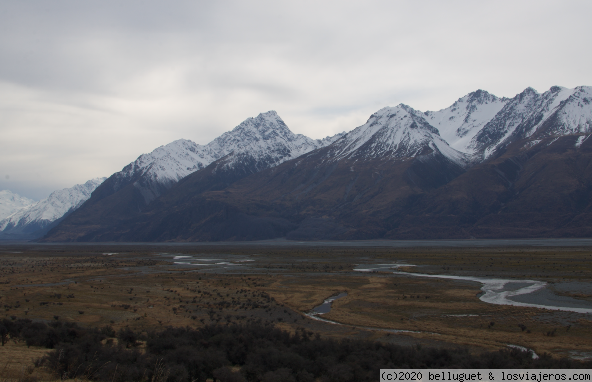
251	352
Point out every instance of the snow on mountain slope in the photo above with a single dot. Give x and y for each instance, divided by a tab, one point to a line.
171	162
157	171
460	122
394	132
506	122
571	112
476	125
41	214
11	202
260	135
558	111
550	101
264	140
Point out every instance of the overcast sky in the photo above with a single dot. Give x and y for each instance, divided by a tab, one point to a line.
88	86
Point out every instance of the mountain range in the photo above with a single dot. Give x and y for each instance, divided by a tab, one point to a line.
485	167
35	218
255	144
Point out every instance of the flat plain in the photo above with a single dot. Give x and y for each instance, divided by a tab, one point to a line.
146	287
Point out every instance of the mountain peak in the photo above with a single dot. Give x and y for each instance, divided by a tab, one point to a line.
556	89
480	96
529	91
264	123
584	89
398	132
459	123
271	113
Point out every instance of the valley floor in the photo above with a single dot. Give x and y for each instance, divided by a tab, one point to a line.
147	287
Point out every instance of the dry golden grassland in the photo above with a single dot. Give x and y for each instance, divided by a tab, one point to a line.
17	363
137	287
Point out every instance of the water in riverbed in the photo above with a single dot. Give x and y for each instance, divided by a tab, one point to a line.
527	293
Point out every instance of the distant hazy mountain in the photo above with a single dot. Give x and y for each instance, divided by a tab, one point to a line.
483	167
11	202
33	220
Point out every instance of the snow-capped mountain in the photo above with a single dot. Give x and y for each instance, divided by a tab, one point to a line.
480	167
265	135
11	202
472	128
40	215
154	173
570	112
397	133
557	112
264	140
459	123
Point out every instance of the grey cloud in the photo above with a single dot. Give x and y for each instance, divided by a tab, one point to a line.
101	82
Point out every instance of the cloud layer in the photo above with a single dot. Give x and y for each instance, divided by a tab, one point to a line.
86	87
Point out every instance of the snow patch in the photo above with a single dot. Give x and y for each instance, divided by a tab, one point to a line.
581	139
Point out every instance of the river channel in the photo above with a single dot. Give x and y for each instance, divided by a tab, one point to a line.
526	293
